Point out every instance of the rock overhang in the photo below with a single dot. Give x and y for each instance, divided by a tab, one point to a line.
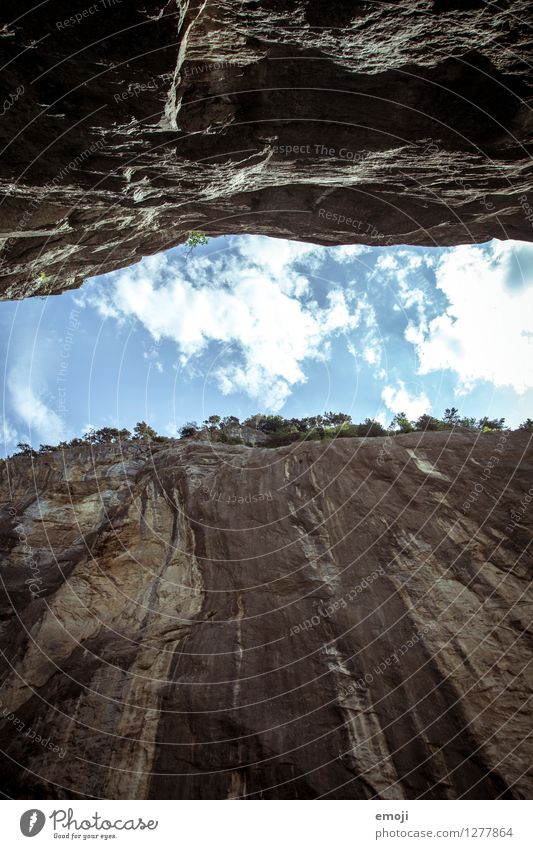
127	128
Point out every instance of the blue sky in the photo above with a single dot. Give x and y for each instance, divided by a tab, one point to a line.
251	324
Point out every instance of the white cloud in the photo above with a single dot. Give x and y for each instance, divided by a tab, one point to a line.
254	303
347	253
486	332
153	356
8	433
387	262
26	402
372	354
171	429
408	275
398	400
276	256
369	342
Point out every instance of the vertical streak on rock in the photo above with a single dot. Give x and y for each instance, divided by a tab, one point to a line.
238	650
174	599
185	25
204	649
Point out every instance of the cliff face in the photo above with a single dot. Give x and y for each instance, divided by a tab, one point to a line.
124	127
341	620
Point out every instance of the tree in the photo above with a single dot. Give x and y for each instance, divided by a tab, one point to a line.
299	425
486	425
105	435
335	419
229	421
451	416
188	430
279	430
144	431
25	449
427	422
212	423
401	422
266	424
253	421
272	424
370	427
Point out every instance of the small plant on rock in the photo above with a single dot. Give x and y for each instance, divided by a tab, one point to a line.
194	239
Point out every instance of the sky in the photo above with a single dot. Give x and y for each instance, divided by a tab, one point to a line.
251	324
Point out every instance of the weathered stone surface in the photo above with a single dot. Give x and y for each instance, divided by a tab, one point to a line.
203	619
410	119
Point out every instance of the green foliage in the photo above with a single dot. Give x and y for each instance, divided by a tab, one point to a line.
229	421
469	423
107	435
196	238
271	424
25	449
450	420
347	430
211	424
278	430
451	417
370	427
266	424
488	425
252	421
298	425
188	430
427	422
144	431
401	423
337	418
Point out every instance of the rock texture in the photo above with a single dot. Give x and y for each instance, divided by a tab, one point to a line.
340	620
333	122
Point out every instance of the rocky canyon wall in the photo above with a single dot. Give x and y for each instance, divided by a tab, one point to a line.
125	125
348	619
